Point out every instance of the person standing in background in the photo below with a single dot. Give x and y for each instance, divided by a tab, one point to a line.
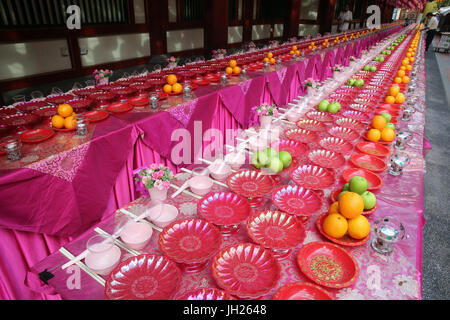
431	29
345	17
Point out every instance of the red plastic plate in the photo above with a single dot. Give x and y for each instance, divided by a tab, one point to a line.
350	124
30	106
301	135
96	116
311	125
205	294
301	291
344	133
326	159
295	148
373	149
319	116
36	135
375	181
250	184
368	162
312	177
356	115
119	107
336	145
223	208
296	200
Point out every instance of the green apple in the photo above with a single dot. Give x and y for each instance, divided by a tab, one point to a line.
359	83
358	184
369	199
386	115
275	165
366	68
346	187
271	153
255	161
390	125
285	158
334	107
373	69
381	59
340	194
323	105
351	82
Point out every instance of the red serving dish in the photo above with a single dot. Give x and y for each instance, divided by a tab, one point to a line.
368	162
301	135
312	177
96	115
30	106
205	294
80	103
350	124
59	99
296	200
344	133
356	115
328	265
36	135
320	116
326	159
311	125
18	119
375	181
7	111
47	111
84	92
336	145
119	107
145	277
250	184
223	208
360	108
301	291
295	148
373	149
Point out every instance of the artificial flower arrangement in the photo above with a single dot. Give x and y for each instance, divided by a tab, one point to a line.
250	46
267	110
338	68
352	58
219	52
172	61
312	83
102	74
273	43
155	176
293	39
365	52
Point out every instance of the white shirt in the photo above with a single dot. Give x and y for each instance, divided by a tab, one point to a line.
433	24
345	16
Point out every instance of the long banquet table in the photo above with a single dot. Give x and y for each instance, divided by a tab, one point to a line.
87	179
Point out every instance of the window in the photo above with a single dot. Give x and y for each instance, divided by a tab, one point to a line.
340	6
234	10
309	9
272	10
44	13
358	9
192	10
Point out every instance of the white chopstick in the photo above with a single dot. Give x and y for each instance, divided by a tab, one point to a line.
118	242
215	181
185	191
128	213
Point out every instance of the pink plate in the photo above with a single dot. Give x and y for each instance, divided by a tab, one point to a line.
344	133
36	135
296	200
295	148
373	149
301	135
375	182
31	105
350	124
328	265
360	107
312	177
346	240
301	291
336	145
320	116
356	115
96	116
190	241
275	230
246	270
326	159
311	125
145	277
119	107
205	294
368	162
223	208
250	184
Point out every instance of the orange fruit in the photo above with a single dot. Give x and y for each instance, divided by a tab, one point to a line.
351	205
65	110
401	73
236	70
400	98
172	79
403	68
379	122
291	52
70	122
233	63
310	47
334	208
270	55
57	122
294	48
390	99
388	135
177	88
405	79
394	90
229	70
359	227
297	52
398	80
272	60
409	55
409	67
374	135
405	62
266	59
412	59
335	225
168	88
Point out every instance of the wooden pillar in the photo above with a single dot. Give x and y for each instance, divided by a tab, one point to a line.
247	15
216	25
326	14
291	25
158	17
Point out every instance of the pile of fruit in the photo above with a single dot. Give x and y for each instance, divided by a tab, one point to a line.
270	59
294	50
355	82
378	59
271	159
233	68
172	85
401	75
312	46
65	119
331	107
370	68
325	43
381	128
345	215
395	96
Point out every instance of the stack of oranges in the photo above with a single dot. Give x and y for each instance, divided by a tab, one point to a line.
345	217
233	68
395	96
380	130
325	43
312	46
270	59
401	76
294	50
172	85
65	119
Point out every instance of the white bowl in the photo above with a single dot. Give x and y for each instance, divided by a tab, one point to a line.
136	235
219	170
105	262
168	215
258	143
201	185
235	160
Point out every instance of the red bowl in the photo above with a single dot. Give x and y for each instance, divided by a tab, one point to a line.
245	270
345	240
205	294
312	177
360	108
301	291
190	241
18	119
96	115
79	103
373	149
59	99
326	159
300	135
336	145
311	125
346	134
296	200
250	184
328	265
30	106
295	148
223	208
45	112
356	115
36	135
375	181
350	124
7	111
119	107
319	116
368	162
145	277
275	230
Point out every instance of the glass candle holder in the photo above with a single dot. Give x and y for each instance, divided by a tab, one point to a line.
407	113
398	162
154	101
387	231
12	149
224	79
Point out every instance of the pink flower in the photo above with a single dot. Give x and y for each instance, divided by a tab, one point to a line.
154	166
145	180
166	184
159	185
275	112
